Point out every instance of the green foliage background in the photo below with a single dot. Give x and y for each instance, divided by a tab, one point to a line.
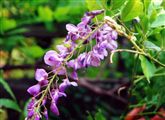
143	18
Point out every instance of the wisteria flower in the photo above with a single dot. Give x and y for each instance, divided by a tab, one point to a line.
34	90
66	83
53	59
41	74
59	62
54	109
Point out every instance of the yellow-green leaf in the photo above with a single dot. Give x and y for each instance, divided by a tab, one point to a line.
132	9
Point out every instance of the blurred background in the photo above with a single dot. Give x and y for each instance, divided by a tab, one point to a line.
28	28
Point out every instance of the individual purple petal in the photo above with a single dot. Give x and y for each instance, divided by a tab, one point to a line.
74	36
45	113
60	70
74	75
93	59
37	117
88	59
62	87
107	28
54	109
112	45
67	38
71	28
43	82
114	35
44	101
52	58
34	90
62	49
74	84
81	26
41	74
86	19
31	103
56	94
71	63
81	59
74	64
30	113
101	52
95	12
66	83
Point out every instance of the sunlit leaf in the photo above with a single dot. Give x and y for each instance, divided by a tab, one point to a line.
150	45
116	4
33	51
132	9
93	5
160	21
45	14
7	24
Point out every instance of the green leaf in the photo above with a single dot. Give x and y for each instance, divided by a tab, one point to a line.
45	14
99	115
132	9
103	3
18	31
9	104
33	51
7	87
89	117
116	4
93	5
7	24
146	4
147	67
160	21
144	21
150	45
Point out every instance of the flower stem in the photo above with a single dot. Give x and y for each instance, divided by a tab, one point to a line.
132	38
124	50
45	92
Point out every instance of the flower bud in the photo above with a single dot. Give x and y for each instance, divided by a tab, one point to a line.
34	90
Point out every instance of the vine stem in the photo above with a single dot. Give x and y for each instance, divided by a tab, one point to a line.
123	50
142	77
121	31
45	92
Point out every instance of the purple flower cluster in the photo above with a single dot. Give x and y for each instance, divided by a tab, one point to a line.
59	61
105	38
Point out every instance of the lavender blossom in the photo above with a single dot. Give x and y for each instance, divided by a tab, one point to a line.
74	75
60	61
34	90
45	113
41	74
54	109
53	59
66	83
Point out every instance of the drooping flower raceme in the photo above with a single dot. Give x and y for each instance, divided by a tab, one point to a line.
49	87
